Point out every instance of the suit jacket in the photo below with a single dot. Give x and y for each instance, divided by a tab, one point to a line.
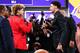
71	29
7	37
1	42
6	42
59	29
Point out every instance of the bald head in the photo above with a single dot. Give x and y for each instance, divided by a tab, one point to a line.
41	51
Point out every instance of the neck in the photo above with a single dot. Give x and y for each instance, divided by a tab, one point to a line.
19	15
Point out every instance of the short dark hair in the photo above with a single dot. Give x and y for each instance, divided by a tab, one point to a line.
8	8
56	3
2	8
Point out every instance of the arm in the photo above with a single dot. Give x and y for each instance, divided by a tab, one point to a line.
73	31
25	27
63	29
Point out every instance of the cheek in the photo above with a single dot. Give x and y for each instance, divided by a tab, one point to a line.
21	12
5	12
51	9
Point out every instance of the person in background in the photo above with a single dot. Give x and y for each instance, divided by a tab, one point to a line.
71	30
8	13
41	51
6	36
59	28
19	28
77	38
41	18
2	12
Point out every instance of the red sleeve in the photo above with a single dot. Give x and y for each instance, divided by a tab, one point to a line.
24	27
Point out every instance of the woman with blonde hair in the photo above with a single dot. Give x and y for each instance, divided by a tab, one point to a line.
19	28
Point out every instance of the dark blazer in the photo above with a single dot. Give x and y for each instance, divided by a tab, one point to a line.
71	29
59	29
6	37
1	45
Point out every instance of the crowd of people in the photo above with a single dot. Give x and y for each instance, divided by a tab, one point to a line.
58	35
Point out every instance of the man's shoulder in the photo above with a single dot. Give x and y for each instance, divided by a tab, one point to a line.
1	18
58	14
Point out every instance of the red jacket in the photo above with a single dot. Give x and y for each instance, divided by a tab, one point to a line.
19	29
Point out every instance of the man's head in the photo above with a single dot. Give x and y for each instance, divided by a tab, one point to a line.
2	10
41	51
8	12
54	6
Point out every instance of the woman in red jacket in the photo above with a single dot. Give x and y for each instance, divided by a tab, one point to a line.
19	28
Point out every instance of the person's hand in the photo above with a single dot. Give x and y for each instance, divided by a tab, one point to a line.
45	31
27	45
71	44
44	25
59	47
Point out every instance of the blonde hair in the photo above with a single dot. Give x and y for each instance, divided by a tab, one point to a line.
17	7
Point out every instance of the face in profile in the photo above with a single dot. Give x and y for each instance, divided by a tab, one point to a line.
52	8
21	12
6	12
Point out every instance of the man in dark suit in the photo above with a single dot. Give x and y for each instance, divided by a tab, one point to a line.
70	38
6	38
59	28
